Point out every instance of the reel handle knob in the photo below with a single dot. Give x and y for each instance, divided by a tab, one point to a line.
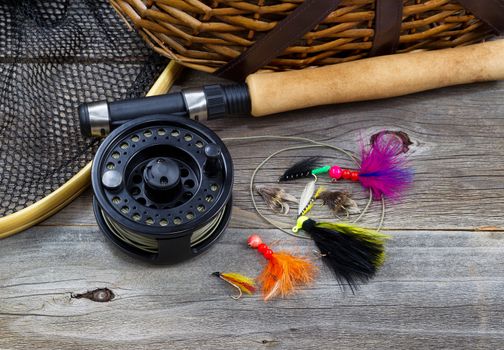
212	164
112	179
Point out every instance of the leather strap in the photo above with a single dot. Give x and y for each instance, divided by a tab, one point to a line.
489	11
303	19
388	20
311	12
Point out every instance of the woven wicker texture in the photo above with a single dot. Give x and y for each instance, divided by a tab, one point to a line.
207	34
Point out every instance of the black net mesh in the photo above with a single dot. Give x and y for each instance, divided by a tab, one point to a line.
54	55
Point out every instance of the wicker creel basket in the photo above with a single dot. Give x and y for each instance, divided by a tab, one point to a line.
206	35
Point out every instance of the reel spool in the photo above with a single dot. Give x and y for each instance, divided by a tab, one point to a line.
162	188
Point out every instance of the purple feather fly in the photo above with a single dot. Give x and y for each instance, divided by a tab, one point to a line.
384	168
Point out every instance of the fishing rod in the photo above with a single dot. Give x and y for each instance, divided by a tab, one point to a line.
264	94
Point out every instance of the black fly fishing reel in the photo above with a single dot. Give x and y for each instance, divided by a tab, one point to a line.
162	188
162	181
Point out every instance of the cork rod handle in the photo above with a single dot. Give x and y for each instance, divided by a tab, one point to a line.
375	78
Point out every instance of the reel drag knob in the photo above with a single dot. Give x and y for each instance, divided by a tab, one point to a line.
162	179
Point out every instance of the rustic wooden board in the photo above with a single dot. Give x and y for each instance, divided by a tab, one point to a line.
457	154
441	287
437	290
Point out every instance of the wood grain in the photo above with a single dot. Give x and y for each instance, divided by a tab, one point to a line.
457	155
441	287
436	288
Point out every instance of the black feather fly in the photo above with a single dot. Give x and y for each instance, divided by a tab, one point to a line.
354	253
301	169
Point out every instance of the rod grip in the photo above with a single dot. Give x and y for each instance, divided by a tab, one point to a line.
375	78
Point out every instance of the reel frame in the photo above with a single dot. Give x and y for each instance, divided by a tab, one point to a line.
129	195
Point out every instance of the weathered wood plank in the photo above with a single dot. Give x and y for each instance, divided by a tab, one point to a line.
441	287
437	290
457	154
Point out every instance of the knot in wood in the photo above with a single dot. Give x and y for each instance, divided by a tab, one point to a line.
100	295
